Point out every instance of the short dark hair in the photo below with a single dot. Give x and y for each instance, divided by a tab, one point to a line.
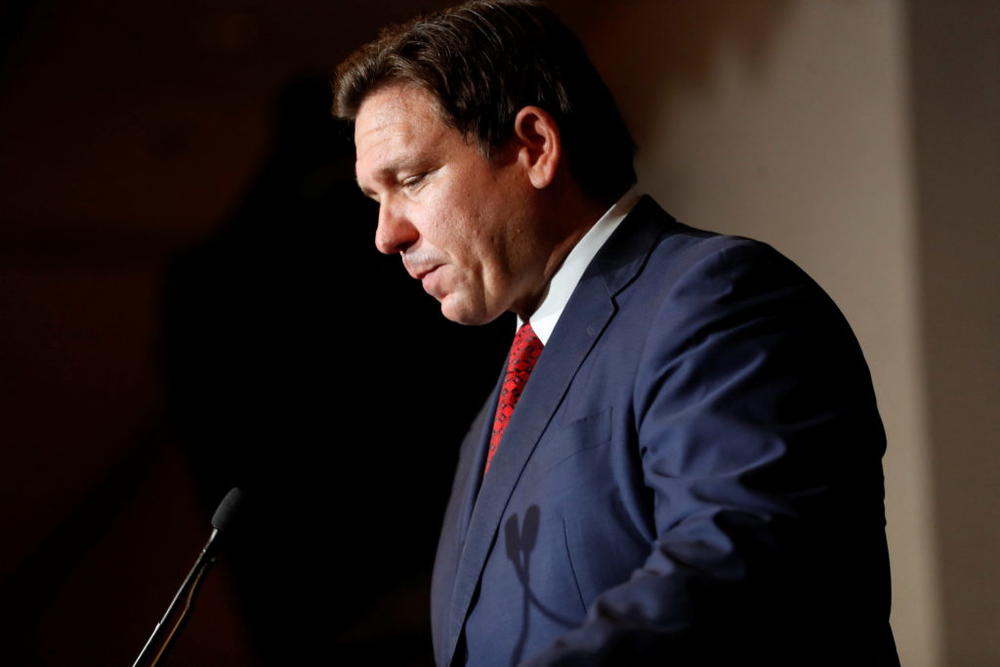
485	60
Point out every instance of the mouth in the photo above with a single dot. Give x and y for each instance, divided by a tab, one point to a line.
427	277
420	272
423	273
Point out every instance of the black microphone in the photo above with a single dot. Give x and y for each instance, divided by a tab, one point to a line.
166	631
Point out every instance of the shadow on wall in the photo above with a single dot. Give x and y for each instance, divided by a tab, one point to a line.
314	373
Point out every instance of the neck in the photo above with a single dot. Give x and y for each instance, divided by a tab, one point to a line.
568	219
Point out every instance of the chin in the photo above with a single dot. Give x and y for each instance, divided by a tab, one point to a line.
464	313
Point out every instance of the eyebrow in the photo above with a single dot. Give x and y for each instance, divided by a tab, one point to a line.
365	191
387	173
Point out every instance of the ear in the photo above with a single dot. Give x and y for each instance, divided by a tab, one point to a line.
539	146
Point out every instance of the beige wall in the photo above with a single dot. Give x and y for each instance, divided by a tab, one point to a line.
791	122
955	106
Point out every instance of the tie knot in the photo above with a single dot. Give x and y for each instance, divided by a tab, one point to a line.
524	351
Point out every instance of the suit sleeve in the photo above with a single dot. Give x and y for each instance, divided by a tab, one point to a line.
760	447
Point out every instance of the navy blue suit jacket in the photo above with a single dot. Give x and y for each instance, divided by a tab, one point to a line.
692	475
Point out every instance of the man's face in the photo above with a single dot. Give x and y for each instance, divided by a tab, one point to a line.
463	224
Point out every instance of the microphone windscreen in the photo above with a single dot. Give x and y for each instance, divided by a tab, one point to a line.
227	510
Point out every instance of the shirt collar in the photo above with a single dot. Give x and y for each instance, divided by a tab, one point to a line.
560	288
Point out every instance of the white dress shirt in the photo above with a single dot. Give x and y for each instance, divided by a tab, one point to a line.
560	288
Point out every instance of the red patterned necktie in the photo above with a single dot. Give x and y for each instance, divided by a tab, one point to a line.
524	352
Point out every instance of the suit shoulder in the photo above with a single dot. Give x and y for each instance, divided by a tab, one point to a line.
685	254
681	246
655	259
690	271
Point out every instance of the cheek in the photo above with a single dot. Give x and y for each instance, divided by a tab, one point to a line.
434	223
459	232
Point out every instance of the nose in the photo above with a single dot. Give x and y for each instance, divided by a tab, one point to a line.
395	232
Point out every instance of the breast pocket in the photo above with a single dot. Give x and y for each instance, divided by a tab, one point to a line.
564	441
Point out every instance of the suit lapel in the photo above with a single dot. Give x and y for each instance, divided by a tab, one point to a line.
587	315
472	457
480	439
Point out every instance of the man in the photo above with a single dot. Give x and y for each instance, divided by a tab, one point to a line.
681	462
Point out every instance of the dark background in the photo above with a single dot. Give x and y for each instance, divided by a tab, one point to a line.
193	301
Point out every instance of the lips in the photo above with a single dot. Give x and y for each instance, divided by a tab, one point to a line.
424	272
418	267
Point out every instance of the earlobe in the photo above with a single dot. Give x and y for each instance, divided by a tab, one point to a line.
540	145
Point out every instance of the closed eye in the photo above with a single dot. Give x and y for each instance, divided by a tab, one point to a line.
411	183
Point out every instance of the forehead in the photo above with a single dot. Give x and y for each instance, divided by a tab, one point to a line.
396	111
391	98
394	124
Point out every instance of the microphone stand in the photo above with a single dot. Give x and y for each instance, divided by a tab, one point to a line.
180	607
